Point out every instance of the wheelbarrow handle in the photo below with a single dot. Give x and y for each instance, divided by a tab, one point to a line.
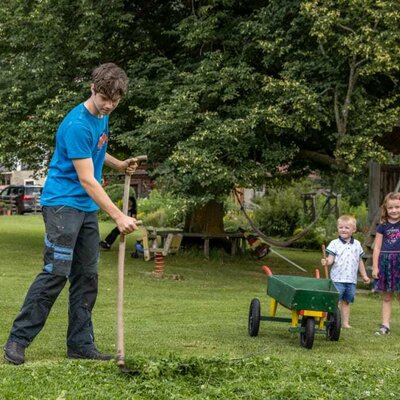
267	270
325	266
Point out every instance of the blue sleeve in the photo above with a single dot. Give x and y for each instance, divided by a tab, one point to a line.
380	229
78	141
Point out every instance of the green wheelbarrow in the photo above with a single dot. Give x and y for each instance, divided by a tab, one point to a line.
313	303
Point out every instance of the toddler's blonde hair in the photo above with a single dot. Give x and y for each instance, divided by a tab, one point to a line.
348	218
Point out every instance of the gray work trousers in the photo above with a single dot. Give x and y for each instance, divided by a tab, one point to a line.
71	253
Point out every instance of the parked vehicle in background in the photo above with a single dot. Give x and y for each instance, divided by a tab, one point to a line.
22	198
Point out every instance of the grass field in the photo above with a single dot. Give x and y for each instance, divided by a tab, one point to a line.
187	338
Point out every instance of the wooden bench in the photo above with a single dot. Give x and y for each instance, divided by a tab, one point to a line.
236	240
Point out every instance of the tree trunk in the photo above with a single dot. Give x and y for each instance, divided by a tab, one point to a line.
207	219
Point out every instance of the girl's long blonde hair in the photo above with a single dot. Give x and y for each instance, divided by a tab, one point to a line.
384	213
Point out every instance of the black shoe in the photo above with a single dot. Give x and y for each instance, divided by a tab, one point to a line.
92	354
104	245
14	352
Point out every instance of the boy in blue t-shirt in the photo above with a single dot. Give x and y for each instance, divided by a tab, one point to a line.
71	198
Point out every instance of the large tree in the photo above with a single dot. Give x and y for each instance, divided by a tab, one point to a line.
301	84
222	92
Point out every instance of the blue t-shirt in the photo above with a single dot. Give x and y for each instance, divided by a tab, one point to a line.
391	236
80	135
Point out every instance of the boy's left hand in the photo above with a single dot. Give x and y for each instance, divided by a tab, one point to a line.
366	280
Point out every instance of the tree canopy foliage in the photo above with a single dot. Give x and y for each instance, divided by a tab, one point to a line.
222	92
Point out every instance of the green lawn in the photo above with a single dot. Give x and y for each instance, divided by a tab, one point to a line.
187	338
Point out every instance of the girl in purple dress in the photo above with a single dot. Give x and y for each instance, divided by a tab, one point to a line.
386	257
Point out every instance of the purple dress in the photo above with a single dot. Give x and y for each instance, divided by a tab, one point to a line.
389	258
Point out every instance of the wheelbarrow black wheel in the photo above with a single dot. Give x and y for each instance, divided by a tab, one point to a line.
307	332
254	317
333	325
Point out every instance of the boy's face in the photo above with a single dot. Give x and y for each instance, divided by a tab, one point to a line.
104	105
345	229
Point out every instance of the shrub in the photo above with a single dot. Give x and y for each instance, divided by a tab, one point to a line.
162	209
234	217
281	214
280	211
233	220
116	192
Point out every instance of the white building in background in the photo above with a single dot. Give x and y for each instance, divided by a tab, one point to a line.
19	176
250	194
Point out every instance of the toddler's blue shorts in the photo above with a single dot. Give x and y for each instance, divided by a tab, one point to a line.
347	291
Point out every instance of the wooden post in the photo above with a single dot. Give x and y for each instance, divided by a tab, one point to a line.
374	186
206	247
121	270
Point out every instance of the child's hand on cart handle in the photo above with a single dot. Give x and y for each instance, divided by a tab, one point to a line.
325	261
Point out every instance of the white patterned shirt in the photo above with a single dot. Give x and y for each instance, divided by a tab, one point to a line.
346	259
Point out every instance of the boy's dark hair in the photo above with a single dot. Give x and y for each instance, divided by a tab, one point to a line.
110	80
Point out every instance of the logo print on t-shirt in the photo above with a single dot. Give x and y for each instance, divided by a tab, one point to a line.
103	139
392	235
